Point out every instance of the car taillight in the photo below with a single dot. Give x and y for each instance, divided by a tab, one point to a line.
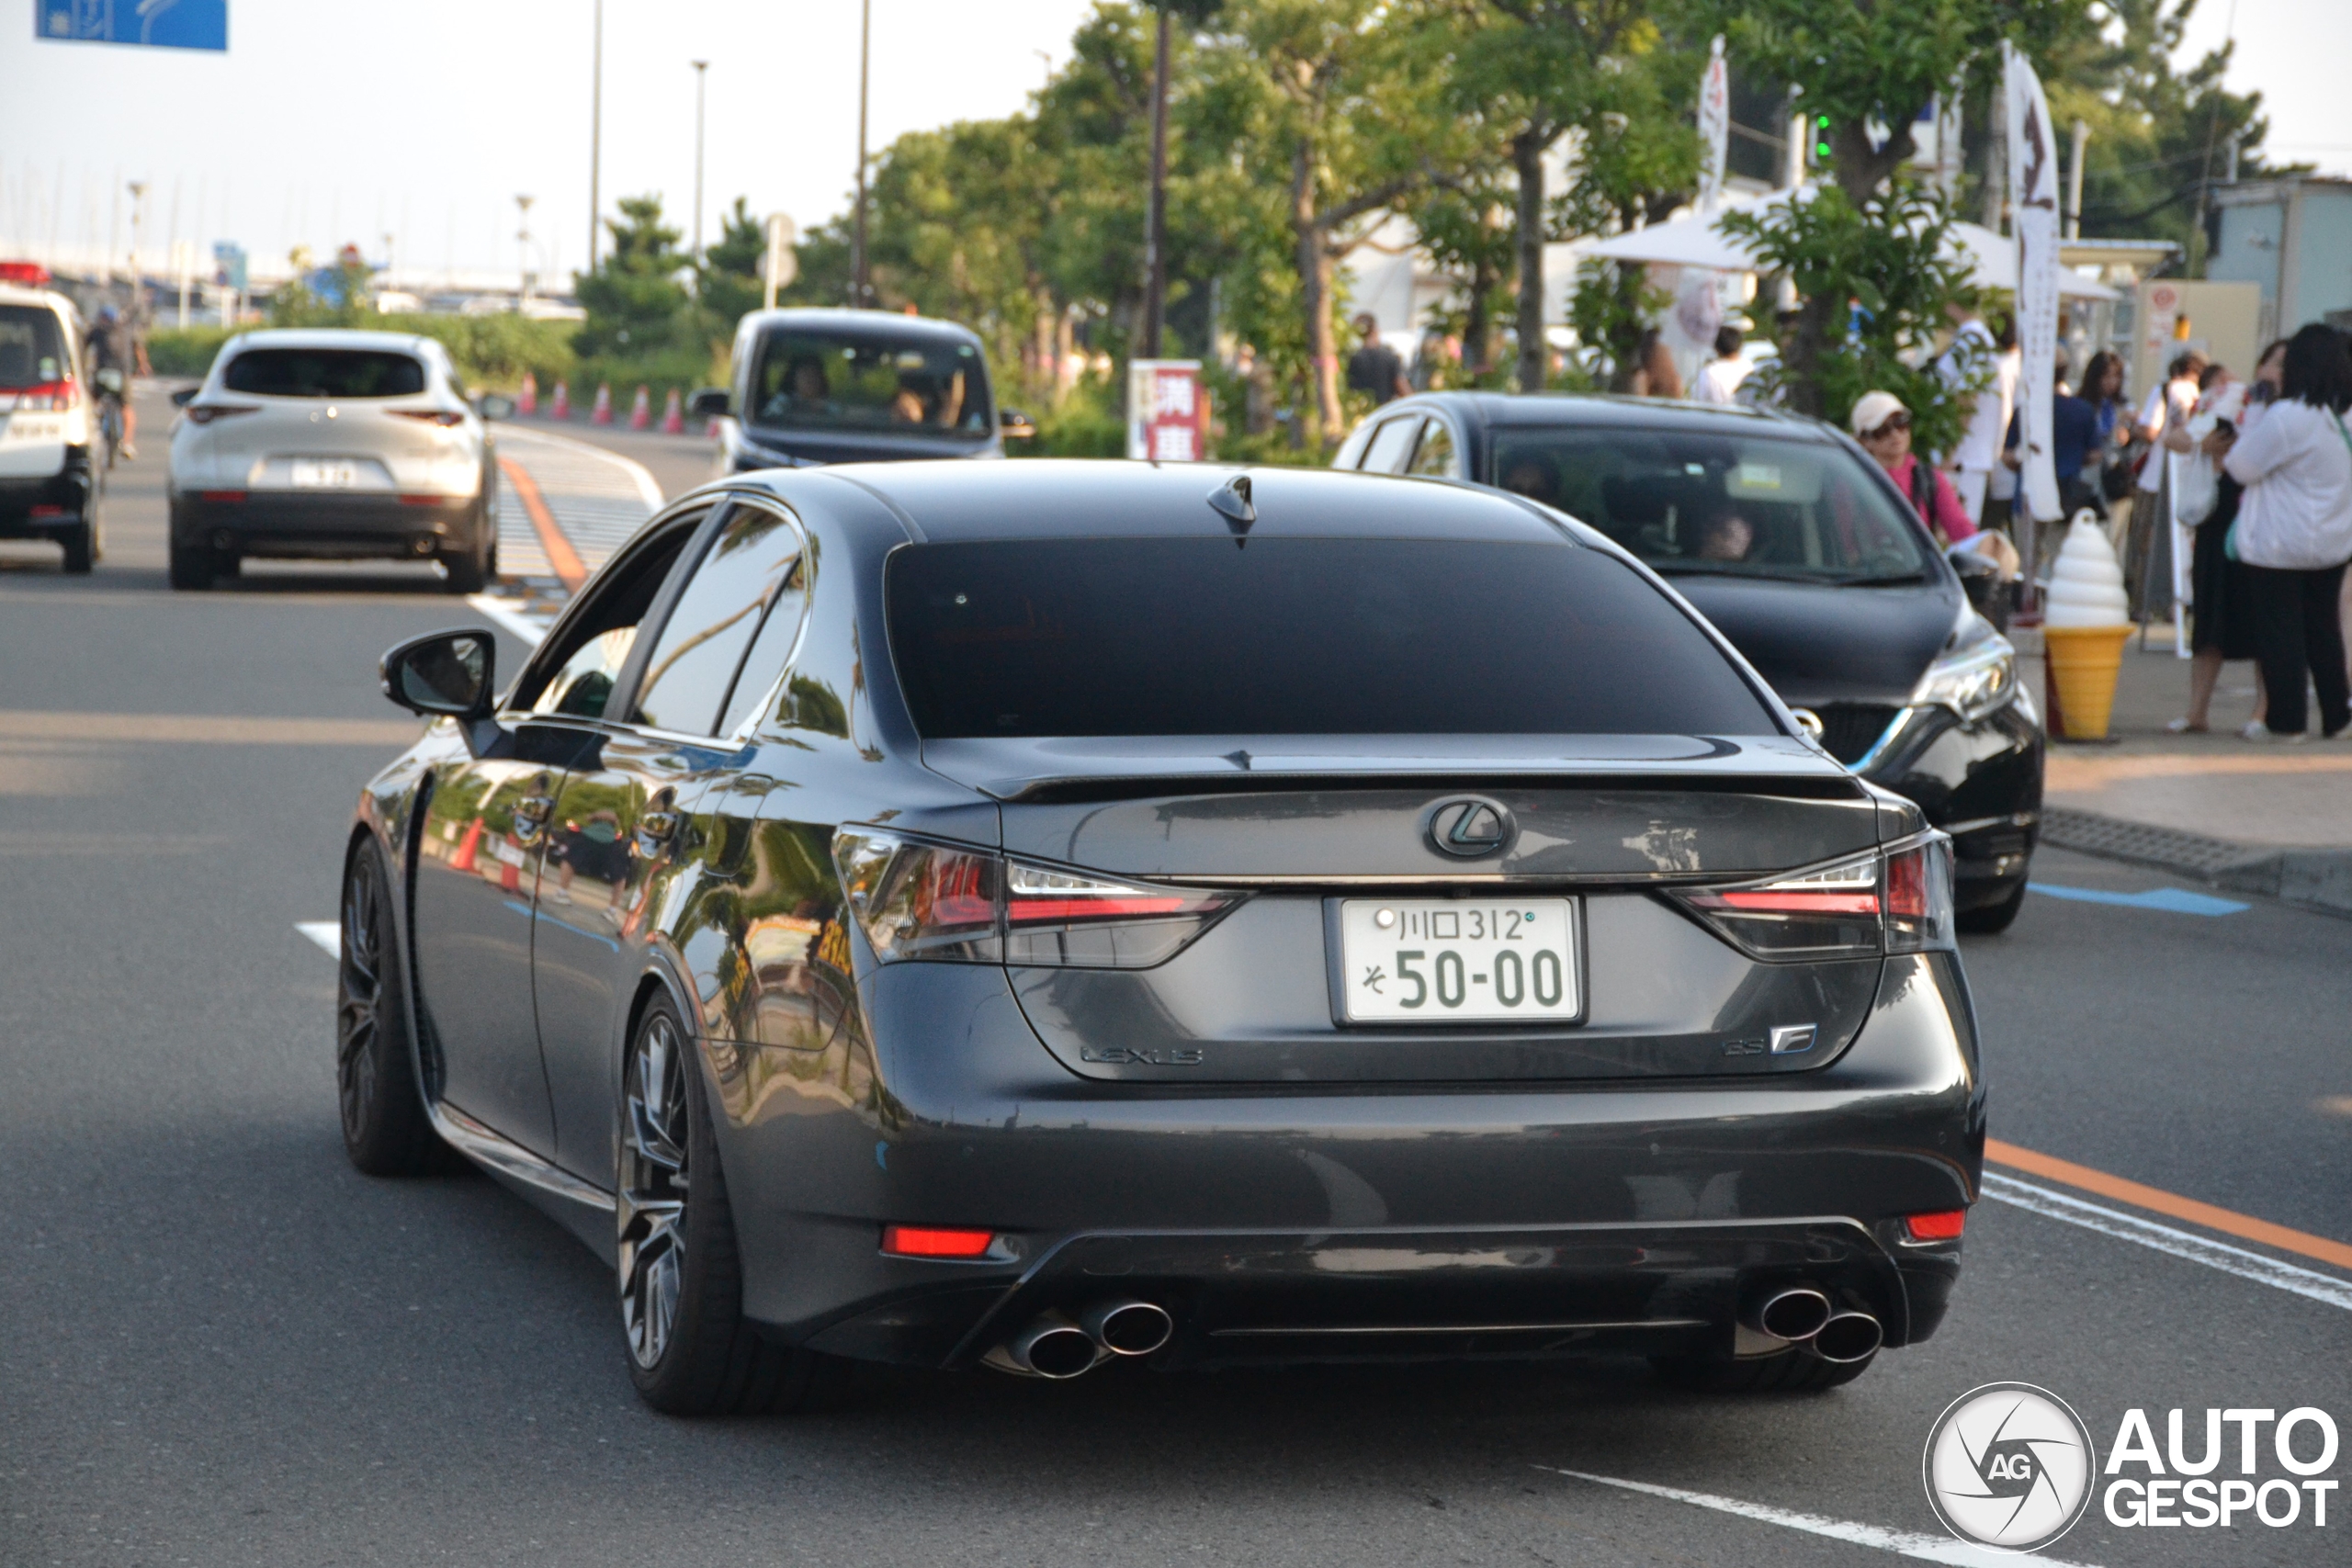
205	414
1944	1225
46	397
1896	900
442	417
919	900
936	1241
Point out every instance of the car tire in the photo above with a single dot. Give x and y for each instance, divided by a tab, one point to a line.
80	543
1993	919
192	566
386	1130
691	1351
1790	1371
468	573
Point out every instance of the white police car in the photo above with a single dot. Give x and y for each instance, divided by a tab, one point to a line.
49	487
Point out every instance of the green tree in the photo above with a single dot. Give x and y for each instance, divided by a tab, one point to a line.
728	284
634	299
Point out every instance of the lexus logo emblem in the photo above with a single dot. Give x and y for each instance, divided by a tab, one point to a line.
1469	827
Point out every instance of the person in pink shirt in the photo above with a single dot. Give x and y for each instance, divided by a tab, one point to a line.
1884	427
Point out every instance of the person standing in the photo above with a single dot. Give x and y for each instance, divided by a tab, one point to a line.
1971	461
2167	406
1884	427
2294	531
1719	379
2102	387
2074	449
1375	368
2223	615
1654	375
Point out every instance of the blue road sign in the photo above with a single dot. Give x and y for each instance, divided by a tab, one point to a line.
162	24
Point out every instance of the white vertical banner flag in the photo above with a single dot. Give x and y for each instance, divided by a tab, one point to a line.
2033	220
1948	136
1715	126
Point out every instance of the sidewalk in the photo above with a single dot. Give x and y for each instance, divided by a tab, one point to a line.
2273	820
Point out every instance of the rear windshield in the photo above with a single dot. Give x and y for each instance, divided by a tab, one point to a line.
32	351
871	379
324	373
1739	506
1298	637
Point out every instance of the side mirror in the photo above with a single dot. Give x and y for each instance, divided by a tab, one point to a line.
1016	424
442	674
186	395
495	405
709	402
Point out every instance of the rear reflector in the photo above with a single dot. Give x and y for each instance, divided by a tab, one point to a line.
934	1241
49	511
1945	1225
221	495
423	500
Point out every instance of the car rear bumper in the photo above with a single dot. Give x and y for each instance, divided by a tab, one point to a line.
259	522
67	490
1278	1224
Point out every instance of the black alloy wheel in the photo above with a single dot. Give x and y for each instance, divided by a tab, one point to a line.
385	1129
691	1350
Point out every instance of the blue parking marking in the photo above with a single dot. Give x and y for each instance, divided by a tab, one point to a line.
2171	900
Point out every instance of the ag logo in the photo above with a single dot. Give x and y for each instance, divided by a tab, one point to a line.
2009	1466
1470	827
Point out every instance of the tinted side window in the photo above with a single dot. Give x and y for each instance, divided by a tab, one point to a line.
1435	455
693	667
324	373
32	351
1391	445
769	650
585	666
1299	637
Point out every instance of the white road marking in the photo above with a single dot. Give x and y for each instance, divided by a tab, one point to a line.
328	934
1903	1543
2330	1289
638	474
509	614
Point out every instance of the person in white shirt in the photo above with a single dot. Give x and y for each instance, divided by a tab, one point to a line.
2293	531
1971	461
2167	406
1719	380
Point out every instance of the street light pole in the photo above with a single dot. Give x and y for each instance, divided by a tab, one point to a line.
522	241
701	68
137	206
857	231
1155	221
596	131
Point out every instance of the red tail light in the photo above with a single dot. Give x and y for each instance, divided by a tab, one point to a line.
1945	1225
205	414
45	397
936	1241
919	900
442	417
423	500
1898	900
221	495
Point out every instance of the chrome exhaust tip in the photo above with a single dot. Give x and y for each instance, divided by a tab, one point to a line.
1796	1314
1052	1346
1848	1337
1128	1327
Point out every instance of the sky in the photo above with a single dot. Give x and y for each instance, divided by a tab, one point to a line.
339	122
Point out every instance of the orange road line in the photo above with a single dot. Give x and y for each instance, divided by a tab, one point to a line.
559	553
2229	1222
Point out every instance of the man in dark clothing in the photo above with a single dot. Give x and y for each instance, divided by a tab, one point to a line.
1374	369
2074	449
115	344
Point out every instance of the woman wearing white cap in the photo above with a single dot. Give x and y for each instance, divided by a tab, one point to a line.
1884	427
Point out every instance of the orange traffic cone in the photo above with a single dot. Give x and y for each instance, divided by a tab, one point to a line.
562	409
640	412
674	417
602	412
468	848
529	401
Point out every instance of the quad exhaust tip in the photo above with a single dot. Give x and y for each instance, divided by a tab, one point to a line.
1793	1314
1848	1337
1128	1327
1053	1346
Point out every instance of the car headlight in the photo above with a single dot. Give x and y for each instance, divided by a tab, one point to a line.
1975	676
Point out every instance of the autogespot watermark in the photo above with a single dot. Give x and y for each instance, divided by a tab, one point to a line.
2011	1466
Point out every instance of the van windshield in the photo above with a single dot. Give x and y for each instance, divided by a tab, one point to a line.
871	379
1691	501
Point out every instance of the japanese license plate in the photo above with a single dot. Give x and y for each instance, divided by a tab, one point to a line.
1459	961
308	473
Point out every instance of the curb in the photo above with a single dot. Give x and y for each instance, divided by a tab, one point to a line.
2311	879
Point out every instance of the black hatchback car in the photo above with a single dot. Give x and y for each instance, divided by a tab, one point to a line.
1790	539
1040	914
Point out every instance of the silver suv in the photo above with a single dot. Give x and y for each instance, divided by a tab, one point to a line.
334	443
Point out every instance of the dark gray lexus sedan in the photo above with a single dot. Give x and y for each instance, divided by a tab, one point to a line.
1039	914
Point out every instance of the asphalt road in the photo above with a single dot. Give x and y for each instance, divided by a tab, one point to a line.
223	1346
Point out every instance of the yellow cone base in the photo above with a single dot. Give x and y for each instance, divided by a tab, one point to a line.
2083	664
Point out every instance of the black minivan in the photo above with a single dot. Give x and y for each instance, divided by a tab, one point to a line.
839	386
1785	535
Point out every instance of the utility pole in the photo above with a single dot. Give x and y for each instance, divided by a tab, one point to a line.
522	241
702	68
2074	183
1155	221
596	131
138	207
857	230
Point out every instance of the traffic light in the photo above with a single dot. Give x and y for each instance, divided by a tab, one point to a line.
1821	150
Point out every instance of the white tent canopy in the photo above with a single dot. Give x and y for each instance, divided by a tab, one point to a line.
1693	240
